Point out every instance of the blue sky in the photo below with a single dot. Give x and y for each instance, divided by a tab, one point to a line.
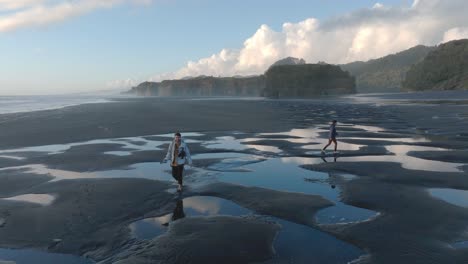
102	47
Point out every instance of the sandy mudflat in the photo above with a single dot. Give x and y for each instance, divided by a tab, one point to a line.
137	117
221	239
99	163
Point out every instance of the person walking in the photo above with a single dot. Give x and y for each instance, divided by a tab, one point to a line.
179	155
332	137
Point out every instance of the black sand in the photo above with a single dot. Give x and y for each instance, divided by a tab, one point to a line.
90	217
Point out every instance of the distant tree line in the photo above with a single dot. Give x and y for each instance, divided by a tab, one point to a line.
444	68
385	74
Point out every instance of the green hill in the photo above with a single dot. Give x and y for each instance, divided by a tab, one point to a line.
444	68
387	73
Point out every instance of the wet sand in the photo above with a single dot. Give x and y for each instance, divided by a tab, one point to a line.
99	164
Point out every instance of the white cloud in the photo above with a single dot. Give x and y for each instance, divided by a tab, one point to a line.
455	33
16	4
415	3
378	5
120	84
26	13
142	2
360	35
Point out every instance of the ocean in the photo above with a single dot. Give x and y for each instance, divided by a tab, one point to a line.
17	104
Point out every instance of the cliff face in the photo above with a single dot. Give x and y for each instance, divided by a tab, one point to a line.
445	68
203	86
289	77
385	74
307	81
145	89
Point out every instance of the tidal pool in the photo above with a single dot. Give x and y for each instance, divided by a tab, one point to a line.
453	196
42	199
28	256
294	244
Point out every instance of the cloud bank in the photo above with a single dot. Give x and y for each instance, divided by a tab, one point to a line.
16	14
360	35
120	84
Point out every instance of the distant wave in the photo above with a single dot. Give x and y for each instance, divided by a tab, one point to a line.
18	104
423	95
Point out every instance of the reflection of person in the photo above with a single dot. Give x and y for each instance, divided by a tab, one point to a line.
179	155
325	160
332	137
178	210
331	179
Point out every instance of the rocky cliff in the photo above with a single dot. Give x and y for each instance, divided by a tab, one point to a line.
307	81
289	77
203	86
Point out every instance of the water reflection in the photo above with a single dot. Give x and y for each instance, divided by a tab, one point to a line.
331	179
193	206
11	157
299	160
220	155
178	210
285	175
235	164
282	174
57	174
265	148
405	140
128	143
147	170
296	243
152	227
227	142
460	245
42	199
119	153
295	140
302	133
185	134
28	256
341	146
334	158
301	244
342	213
364	127
410	163
453	196
404	149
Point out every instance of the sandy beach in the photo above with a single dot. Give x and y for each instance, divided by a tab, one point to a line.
84	184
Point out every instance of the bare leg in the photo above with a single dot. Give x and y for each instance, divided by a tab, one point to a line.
329	142
336	144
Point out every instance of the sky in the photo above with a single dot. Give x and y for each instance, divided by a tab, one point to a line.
69	46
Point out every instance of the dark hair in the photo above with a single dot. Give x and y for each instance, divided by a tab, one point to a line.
177	134
334	121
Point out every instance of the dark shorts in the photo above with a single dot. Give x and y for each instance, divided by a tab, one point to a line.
177	173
